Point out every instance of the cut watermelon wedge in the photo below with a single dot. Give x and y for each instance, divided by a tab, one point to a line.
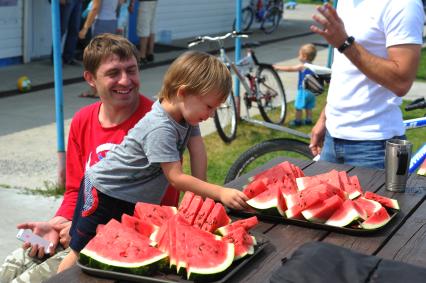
377	220
388	202
244	243
269	202
344	216
321	211
246	224
204	212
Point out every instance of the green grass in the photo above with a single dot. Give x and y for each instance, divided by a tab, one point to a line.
421	72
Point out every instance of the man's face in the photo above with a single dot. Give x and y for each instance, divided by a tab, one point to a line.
116	82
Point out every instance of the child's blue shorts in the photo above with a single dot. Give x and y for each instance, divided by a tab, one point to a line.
93	208
304	100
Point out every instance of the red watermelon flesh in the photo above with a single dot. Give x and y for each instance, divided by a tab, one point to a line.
172	242
352	190
377	220
271	175
191	212
204	254
343	216
186	201
331	178
269	201
204	212
254	188
144	228
243	242
355	182
325	191
321	211
246	224
288	187
388	202
369	206
153	213
422	169
296	203
306	182
217	218
131	250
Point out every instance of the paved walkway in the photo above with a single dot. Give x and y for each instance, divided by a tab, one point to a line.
27	121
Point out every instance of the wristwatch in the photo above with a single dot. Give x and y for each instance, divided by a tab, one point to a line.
348	42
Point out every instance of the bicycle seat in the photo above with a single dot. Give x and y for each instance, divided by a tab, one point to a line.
251	44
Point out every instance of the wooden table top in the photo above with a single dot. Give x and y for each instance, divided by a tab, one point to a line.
403	239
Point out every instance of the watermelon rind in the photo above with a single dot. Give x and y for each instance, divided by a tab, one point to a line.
385	201
199	272
141	267
377	220
350	216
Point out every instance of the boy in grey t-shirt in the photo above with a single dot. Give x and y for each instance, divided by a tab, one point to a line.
148	159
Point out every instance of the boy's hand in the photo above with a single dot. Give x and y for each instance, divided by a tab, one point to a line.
234	199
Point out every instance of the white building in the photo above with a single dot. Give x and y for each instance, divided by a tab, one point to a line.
25	25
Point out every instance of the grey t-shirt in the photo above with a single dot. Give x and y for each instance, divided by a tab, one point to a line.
131	171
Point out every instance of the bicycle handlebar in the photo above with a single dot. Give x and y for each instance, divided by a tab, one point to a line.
201	39
419	103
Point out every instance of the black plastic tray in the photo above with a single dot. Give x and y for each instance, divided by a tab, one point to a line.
305	223
262	242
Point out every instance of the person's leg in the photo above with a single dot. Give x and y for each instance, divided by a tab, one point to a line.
72	32
150	49
308	116
310	100
42	271
17	263
143	46
69	260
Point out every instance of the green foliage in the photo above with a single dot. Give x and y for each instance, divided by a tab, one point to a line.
421	71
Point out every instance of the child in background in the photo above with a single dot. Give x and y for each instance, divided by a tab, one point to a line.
305	100
149	158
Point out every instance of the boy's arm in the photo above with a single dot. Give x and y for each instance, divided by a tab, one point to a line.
294	68
198	157
232	198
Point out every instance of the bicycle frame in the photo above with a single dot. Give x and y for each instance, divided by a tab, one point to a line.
420	155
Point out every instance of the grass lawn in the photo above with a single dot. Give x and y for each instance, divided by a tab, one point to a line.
221	155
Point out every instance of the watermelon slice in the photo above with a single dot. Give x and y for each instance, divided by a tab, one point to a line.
343	216
217	218
206	254
153	213
204	212
377	220
186	201
131	251
352	190
254	188
422	169
367	205
307	181
243	242
246	224
269	202
321	211
191	212
388	202
135	223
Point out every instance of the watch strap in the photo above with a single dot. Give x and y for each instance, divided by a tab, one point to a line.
348	42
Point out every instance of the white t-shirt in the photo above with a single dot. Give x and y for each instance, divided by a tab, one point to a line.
357	107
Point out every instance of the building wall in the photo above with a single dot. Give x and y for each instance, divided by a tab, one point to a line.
187	18
11	29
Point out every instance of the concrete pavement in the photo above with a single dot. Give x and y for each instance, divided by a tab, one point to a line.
27	121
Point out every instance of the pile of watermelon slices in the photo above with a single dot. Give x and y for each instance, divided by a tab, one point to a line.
333	198
196	240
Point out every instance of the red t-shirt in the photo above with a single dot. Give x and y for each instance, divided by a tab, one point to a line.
88	143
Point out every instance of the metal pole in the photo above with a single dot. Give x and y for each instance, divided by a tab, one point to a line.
57	63
331	48
237	52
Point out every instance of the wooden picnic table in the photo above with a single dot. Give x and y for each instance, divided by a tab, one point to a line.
403	239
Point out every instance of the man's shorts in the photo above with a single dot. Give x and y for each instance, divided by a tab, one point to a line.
146	18
304	100
93	208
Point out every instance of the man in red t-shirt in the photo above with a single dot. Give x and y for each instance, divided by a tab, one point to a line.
95	129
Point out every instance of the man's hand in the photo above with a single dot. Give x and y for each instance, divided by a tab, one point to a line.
333	29
234	199
64	233
317	135
44	230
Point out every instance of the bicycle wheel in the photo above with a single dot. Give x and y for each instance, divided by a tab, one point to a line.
271	98
271	20
246	19
225	119
265	151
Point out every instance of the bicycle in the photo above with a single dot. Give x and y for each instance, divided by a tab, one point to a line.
262	85
269	15
261	153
